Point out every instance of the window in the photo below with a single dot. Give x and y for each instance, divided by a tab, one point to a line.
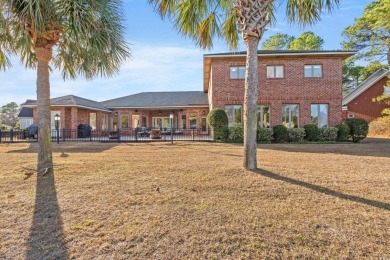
104	121
183	123
204	124
193	124
351	116
124	121
319	115
92	120
313	71
237	72
262	114
290	116
135	121
234	114
387	91
275	71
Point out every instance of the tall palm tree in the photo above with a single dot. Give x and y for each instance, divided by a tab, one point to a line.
203	21
77	37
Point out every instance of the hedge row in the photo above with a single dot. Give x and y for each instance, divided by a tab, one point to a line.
353	128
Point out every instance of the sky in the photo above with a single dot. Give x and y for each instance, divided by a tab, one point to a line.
162	59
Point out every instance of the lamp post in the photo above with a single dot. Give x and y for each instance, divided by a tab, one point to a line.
171	117
57	119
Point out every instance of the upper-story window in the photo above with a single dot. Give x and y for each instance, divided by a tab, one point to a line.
275	72
313	71
387	91
237	72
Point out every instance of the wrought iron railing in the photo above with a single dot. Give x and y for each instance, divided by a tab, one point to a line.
119	135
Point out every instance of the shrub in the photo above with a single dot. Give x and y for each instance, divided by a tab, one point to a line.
311	131
327	134
380	127
296	134
218	121
265	135
236	134
280	133
343	132
358	128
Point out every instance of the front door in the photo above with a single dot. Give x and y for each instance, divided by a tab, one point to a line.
53	123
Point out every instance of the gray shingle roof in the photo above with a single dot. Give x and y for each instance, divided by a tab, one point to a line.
26	112
72	100
160	99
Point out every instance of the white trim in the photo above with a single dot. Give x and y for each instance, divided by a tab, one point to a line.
344	108
278	54
364	86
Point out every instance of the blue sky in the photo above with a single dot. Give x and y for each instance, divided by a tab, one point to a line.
162	59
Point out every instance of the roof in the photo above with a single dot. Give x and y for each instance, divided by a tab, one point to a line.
71	100
26	112
343	54
374	78
160	100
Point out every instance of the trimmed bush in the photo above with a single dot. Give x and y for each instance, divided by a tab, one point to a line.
342	133
327	134
265	135
296	134
280	133
311	131
218	121
236	134
358	128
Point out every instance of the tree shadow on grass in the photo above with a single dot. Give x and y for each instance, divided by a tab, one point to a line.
69	148
327	191
47	239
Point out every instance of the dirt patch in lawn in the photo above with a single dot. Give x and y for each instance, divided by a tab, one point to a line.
194	200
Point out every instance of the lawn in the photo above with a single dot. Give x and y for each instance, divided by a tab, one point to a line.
194	200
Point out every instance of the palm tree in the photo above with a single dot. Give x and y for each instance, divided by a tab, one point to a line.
77	37
203	21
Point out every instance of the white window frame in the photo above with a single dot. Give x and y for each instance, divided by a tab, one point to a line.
319	112
273	73
312	70
90	120
387	90
234	124
260	108
128	121
104	122
237	76
351	115
289	114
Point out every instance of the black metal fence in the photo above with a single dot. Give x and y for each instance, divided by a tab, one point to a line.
119	135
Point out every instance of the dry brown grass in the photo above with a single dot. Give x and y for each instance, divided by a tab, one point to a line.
193	200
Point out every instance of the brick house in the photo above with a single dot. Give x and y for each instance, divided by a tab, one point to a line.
358	102
296	88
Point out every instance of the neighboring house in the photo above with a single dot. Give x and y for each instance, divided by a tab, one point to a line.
359	102
26	117
295	88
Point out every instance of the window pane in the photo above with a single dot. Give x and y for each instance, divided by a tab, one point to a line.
279	72
124	121
230	115
233	72
317	71
237	115
387	91
241	72
270	72
266	121
294	116
308	71
323	116
104	122
263	116
193	123
92	120
285	115
314	114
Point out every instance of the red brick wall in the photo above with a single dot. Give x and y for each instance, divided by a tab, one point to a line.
363	107
294	88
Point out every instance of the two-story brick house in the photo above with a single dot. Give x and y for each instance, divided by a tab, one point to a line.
296	88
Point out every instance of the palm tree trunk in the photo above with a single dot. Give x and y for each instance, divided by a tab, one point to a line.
250	103
45	158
